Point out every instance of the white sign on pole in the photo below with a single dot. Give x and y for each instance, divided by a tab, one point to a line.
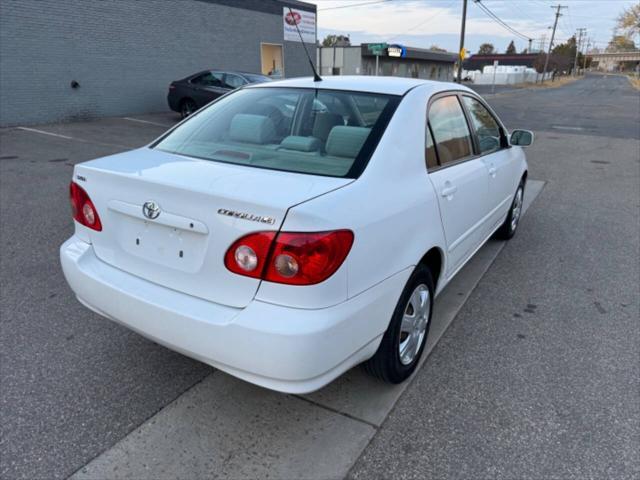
306	23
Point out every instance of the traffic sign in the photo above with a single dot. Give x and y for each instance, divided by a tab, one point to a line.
377	48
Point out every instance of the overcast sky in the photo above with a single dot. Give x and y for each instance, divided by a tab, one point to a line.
422	23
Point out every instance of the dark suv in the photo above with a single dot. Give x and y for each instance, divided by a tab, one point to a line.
189	94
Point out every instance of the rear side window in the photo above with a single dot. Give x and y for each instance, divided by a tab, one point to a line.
450	130
208	79
487	129
320	132
233	81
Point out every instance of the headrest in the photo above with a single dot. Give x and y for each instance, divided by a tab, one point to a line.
323	124
249	128
301	144
346	141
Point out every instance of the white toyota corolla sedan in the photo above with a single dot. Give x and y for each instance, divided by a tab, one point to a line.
291	230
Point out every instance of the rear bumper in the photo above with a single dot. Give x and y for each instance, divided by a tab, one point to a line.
173	101
282	348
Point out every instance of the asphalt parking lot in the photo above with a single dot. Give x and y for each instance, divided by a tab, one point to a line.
537	375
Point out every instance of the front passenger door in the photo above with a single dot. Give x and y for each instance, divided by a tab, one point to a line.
459	179
497	159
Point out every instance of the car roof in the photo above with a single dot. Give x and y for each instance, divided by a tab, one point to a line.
365	83
222	70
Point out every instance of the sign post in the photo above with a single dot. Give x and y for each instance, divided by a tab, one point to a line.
377	49
495	67
461	56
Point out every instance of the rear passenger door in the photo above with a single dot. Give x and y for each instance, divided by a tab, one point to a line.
233	81
459	179
210	86
493	150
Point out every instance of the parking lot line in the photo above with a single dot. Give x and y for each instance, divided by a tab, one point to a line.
35	130
75	139
148	122
233	429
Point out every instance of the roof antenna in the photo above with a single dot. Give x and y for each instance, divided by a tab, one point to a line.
316	77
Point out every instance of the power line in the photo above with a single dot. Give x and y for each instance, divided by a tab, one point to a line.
486	10
353	5
423	21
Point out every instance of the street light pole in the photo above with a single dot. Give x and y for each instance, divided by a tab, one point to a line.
553	34
464	22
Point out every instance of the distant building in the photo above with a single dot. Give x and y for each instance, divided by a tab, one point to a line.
395	60
615	61
478	62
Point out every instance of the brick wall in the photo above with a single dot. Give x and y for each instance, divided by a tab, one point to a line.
123	53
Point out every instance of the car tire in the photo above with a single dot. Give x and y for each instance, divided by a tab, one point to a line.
187	107
508	229
392	363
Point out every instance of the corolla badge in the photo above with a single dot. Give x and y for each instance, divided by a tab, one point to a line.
247	216
151	209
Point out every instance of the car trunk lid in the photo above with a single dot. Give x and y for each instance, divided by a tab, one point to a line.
170	219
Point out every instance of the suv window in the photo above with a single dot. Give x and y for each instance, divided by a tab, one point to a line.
450	129
233	81
487	129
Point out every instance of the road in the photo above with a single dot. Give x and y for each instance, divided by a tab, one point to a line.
536	377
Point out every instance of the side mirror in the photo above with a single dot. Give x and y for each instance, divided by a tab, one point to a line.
522	138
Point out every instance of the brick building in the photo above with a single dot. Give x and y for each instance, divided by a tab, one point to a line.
123	54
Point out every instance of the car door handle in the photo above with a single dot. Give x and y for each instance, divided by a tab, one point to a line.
493	171
448	191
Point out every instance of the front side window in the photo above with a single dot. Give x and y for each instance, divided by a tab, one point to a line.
450	130
322	132
487	129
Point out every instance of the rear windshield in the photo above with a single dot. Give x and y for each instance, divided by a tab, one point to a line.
314	131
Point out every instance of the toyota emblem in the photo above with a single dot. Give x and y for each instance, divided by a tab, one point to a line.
151	209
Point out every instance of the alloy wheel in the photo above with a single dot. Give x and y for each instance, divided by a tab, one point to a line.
516	210
414	324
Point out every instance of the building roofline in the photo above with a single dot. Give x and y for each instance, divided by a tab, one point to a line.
266	6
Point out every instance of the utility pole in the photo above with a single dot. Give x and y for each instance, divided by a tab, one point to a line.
460	54
581	31
529	49
553	34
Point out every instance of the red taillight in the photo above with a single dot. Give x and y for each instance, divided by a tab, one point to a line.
82	208
294	258
237	259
